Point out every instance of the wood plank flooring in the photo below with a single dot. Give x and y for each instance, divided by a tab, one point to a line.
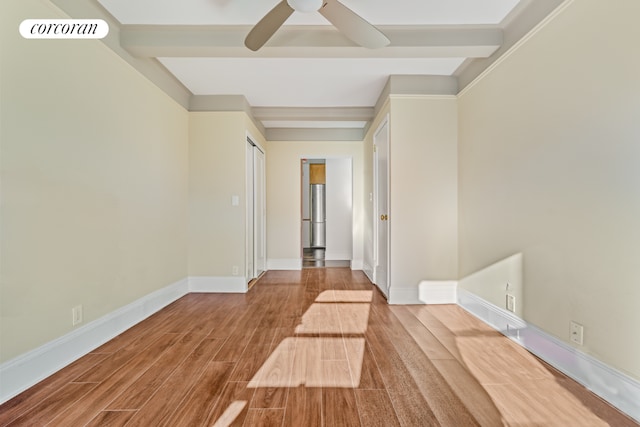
317	347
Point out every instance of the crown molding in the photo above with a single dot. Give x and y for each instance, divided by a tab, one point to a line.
202	103
219	103
525	18
148	67
416	85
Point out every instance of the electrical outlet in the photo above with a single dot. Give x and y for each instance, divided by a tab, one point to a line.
577	333
511	303
234	270
76	315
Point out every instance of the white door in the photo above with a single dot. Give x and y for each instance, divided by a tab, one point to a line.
260	213
249	245
256	247
381	207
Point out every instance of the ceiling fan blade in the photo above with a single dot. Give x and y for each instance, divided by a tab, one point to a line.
268	25
352	25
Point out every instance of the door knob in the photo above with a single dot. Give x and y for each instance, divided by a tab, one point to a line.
384	217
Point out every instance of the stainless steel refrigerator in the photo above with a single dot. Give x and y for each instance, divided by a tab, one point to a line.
318	220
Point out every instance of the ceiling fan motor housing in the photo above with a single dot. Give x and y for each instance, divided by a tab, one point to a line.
305	6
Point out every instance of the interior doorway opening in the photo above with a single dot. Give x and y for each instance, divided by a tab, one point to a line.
326	211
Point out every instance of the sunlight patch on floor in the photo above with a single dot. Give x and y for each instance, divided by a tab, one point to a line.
231	413
313	362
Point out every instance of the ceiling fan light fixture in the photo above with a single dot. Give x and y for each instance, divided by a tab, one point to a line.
305	6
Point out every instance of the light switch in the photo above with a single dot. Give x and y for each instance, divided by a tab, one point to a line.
235	200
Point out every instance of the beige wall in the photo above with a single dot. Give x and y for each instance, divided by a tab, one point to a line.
422	193
423	190
94	183
284	194
217	172
549	168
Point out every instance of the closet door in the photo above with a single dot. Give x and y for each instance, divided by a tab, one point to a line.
249	245
256	246
260	212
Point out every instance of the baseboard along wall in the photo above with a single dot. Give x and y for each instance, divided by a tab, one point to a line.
284	264
618	389
32	367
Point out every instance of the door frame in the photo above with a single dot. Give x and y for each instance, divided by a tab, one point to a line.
376	212
317	156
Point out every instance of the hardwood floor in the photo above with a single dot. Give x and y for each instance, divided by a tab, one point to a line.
317	347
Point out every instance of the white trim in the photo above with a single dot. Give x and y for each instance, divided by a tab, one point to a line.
427	292
284	264
403	296
218	284
421	96
357	264
336	256
438	291
618	389
368	271
32	367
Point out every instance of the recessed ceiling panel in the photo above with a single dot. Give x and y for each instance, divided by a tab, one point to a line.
302	82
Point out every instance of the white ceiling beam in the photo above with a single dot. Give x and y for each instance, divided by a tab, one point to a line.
296	41
148	66
333	114
311	134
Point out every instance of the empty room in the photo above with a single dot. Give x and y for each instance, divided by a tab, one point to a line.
301	212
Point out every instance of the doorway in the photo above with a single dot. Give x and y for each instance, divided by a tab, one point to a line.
326	212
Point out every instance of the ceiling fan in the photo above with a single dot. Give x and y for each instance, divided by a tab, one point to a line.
344	19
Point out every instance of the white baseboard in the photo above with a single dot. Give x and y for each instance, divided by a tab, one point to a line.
336	256
284	264
357	264
438	292
214	284
403	296
618	389
427	292
32	367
